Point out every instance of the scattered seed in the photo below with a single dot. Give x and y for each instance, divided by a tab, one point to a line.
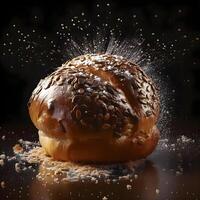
17	167
3	185
81	91
1	162
111	107
157	191
129	187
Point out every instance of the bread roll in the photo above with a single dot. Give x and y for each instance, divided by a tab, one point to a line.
96	108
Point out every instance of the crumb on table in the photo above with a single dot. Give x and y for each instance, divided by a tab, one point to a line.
18	148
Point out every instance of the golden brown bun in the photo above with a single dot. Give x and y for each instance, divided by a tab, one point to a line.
96	108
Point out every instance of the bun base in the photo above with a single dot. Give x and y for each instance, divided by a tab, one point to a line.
99	150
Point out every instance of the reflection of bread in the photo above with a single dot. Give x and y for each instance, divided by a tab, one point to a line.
54	186
96	107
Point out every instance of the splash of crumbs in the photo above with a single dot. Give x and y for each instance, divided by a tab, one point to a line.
58	171
30	155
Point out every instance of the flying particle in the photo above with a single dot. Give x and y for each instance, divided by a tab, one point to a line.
135	176
3	185
1	162
179	11
3	137
157	191
17	167
129	187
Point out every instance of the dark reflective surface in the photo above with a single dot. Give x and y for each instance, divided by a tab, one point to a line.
157	178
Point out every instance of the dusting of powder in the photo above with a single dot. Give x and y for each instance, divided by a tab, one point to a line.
30	154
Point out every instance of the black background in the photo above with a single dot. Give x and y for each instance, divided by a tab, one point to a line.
184	77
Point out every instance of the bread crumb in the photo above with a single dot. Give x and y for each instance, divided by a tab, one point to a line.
3	185
108	181
1	162
157	191
135	176
93	179
17	167
178	173
129	187
3	137
2	156
18	149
